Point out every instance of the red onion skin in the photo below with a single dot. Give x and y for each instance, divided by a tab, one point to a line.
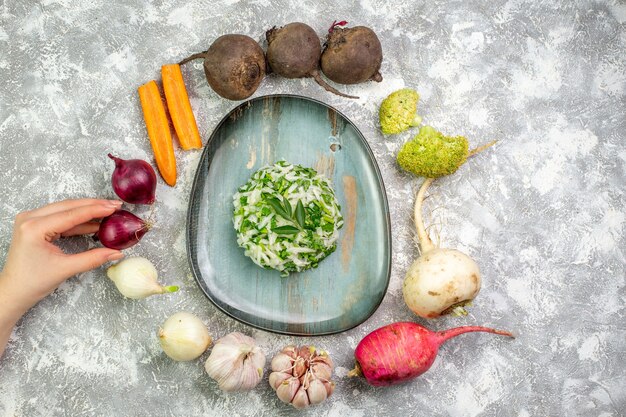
402	351
134	180
121	230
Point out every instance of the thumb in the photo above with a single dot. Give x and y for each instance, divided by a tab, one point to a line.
91	259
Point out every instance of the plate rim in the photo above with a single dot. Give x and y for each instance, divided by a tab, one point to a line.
193	265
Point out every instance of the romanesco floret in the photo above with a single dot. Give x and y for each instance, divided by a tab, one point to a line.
398	111
430	154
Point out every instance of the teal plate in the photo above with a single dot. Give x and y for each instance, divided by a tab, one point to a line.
349	285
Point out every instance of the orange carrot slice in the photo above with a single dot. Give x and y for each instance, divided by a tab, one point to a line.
180	108
158	130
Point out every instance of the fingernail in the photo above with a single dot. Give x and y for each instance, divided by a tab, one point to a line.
115	256
114	203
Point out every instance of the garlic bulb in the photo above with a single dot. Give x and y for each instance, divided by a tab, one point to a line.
184	337
137	278
301	376
236	363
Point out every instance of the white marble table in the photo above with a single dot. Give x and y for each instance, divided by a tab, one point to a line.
542	213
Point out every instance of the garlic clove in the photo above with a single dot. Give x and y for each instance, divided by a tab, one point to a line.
317	392
330	388
324	358
287	389
299	367
282	363
306	379
136	278
321	370
305	352
257	360
277	378
301	399
184	337
250	376
290	351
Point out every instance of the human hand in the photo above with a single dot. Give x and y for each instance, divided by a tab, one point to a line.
35	266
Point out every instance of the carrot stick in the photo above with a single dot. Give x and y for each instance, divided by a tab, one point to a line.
158	130
180	108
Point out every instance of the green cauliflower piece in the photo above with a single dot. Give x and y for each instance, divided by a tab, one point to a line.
430	154
398	111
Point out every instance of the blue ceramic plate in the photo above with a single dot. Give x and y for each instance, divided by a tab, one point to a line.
348	285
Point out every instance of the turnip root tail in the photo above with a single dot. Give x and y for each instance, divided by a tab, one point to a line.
424	240
481	148
449	334
318	79
192	57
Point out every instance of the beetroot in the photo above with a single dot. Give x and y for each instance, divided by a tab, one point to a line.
402	351
293	51
234	66
352	55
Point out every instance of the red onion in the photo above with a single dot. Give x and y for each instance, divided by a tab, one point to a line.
134	180
122	230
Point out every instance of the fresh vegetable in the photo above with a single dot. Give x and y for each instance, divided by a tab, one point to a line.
236	363
136	278
122	230
184	337
293	51
301	376
398	111
352	55
179	107
158	131
431	154
440	281
134	180
287	217
402	351
234	66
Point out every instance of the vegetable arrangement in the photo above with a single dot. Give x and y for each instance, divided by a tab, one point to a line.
288	218
235	65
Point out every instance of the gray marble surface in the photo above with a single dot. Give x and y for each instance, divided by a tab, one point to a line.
542	213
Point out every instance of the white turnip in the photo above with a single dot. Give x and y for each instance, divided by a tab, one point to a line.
441	280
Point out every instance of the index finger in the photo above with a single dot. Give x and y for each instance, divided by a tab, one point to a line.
67	205
57	223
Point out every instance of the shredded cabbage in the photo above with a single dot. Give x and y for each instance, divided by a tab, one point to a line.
287	217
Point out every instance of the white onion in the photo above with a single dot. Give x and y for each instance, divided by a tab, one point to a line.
184	337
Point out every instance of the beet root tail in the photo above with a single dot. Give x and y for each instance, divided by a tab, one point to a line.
318	79
192	57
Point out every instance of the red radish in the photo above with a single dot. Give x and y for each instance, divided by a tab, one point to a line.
122	230
402	351
134	180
